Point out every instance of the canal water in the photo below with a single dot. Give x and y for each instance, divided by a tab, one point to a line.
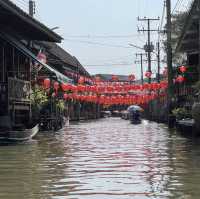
104	159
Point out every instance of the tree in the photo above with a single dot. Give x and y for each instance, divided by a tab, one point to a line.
178	22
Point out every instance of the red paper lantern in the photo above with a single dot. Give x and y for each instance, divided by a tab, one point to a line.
97	79
65	96
131	77
81	80
182	69
47	83
180	79
115	78
65	87
148	74
56	86
42	57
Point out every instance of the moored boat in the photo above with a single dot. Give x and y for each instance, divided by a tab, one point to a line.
19	135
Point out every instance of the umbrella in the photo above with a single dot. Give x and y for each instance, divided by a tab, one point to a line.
135	108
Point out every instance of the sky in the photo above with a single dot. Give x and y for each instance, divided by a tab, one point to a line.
98	32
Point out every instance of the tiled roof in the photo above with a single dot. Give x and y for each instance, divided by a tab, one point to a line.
63	55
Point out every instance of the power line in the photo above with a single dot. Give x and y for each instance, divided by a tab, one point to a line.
162	18
176	5
120	64
102	36
22	3
98	43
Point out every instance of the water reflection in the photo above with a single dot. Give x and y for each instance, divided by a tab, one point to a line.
103	159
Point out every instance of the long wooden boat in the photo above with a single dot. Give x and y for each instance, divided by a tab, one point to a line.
138	121
19	135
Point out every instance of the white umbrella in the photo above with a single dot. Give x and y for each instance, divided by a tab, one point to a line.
134	108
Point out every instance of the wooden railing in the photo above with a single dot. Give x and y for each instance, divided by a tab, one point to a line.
22	75
184	90
18	90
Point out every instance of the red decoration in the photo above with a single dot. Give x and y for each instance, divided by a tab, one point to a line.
47	83
148	74
131	77
180	79
182	69
56	86
81	80
97	79
115	78
65	96
65	87
42	57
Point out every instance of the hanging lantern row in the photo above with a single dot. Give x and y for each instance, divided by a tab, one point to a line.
83	79
107	89
76	76
114	100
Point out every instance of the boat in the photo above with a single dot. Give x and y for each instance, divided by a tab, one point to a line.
19	135
53	123
106	114
136	121
125	115
135	114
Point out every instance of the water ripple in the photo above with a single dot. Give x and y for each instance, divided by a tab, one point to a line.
105	159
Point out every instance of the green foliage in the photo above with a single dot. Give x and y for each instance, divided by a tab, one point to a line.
178	22
197	86
196	112
38	97
181	113
60	104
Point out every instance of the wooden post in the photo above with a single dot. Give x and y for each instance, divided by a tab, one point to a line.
169	60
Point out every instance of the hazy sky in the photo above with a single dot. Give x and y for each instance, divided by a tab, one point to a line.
98	32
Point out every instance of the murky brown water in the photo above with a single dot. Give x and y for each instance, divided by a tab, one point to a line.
105	159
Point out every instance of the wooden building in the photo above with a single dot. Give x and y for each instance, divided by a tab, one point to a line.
188	46
189	43
17	32
61	60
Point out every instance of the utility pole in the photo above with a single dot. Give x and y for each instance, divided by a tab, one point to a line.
141	64
31	13
158	59
169	58
149	46
31	8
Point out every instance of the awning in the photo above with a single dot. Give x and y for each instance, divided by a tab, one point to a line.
14	42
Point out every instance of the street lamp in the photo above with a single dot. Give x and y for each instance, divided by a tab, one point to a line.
54	28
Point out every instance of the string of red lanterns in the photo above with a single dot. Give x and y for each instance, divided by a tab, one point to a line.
104	88
114	100
109	94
